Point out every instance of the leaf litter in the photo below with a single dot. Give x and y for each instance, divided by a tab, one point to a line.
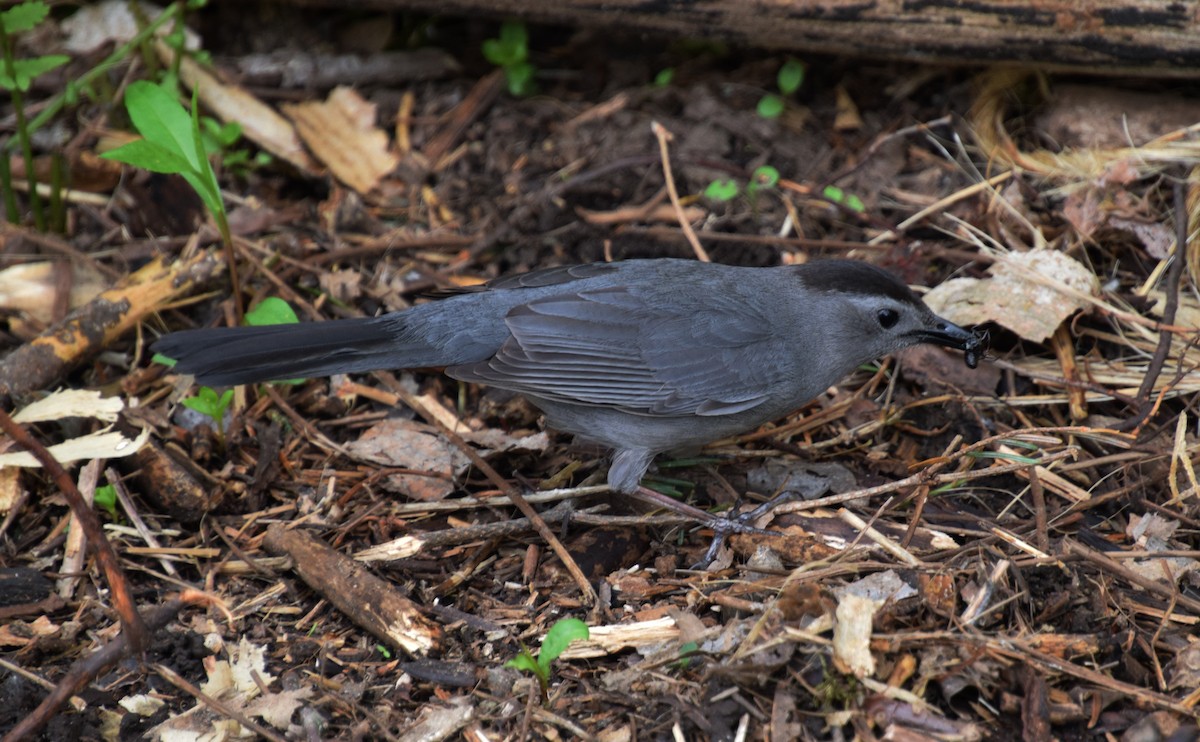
1024	550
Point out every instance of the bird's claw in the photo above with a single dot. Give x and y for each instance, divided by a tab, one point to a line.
723	528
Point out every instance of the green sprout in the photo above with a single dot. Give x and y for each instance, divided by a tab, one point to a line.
664	77
222	139
789	79
836	195
558	638
207	402
722	191
510	52
762	179
687	653
105	498
272	311
171	143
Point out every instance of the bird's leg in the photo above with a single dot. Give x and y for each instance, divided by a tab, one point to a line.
722	526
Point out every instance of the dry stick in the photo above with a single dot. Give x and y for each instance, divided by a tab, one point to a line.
87	669
1039	510
665	136
585	587
929	475
131	621
1168	317
1129	575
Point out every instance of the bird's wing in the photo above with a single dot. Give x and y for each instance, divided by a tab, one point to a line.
608	348
531	279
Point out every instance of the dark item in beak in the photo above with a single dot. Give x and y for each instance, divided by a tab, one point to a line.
952	336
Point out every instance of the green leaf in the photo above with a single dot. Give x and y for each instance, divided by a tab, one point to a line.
205	189
27	69
686	651
833	194
664	77
24	16
771	106
159	117
791	76
525	662
106	498
208	403
855	204
520	79
1002	456
272	311
514	36
721	190
164	360
496	53
558	638
765	177
148	156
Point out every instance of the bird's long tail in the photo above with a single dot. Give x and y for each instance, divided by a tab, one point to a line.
244	355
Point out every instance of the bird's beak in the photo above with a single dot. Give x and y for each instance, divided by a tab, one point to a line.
943	332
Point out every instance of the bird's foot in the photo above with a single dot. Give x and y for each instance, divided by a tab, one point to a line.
723	528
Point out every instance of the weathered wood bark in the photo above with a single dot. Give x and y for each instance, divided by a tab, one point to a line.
1150	37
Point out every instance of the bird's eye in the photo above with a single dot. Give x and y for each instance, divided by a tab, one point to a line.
888	318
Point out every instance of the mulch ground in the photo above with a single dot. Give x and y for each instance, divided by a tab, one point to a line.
1004	553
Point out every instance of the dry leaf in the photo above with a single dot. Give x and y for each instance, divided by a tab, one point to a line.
341	132
1030	293
407	444
260	123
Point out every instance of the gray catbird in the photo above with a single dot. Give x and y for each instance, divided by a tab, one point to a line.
643	356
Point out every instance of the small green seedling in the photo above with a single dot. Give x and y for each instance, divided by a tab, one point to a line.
384	651
664	77
558	638
106	499
687	653
272	311
510	52
17	74
171	143
207	402
836	195
722	191
762	179
222	139
789	79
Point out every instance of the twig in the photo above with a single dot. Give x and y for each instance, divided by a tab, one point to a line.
585	587
131	621
1174	273
88	669
220	707
664	136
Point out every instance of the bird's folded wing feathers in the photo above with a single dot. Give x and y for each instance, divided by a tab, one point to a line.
607	347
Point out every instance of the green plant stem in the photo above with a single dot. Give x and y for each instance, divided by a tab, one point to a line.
54	105
11	213
18	102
